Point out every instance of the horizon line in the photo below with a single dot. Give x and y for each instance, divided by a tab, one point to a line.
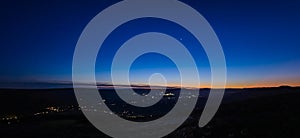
99	84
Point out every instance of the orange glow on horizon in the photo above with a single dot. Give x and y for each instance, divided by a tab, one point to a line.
248	85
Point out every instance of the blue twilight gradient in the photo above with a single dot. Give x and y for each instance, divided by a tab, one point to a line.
260	40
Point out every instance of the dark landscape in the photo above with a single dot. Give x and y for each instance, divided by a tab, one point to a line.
251	112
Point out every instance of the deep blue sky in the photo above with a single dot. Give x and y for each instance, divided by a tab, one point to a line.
260	40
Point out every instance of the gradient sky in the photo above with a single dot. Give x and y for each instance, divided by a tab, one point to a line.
260	40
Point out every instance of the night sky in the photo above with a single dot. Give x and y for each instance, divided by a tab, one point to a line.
260	39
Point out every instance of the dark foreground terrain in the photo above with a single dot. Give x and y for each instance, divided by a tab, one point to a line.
259	112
